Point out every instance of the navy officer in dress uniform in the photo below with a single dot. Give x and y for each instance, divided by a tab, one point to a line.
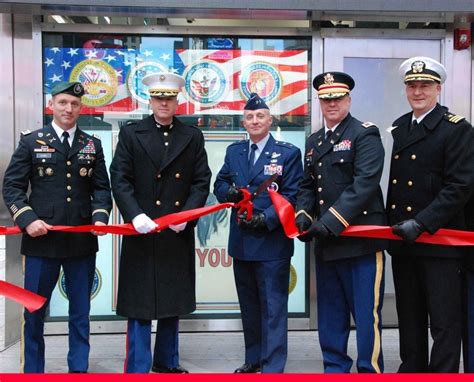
65	168
430	182
343	167
159	167
260	250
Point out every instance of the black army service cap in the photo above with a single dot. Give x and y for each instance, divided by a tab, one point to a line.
255	103
330	85
72	88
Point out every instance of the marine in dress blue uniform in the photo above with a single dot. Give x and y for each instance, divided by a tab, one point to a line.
343	166
260	250
159	167
69	186
430	182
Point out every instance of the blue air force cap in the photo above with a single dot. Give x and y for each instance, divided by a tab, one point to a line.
72	88
255	103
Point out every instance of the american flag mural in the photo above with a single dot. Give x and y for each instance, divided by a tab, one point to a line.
216	81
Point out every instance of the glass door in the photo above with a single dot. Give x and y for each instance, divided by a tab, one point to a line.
378	97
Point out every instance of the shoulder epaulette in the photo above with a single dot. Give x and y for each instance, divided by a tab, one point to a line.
284	144
368	124
26	132
239	142
453	118
96	136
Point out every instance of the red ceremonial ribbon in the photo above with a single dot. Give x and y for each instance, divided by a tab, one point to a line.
29	300
286	214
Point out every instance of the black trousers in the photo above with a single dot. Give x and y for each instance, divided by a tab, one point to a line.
428	291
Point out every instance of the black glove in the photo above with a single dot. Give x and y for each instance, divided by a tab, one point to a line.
302	223
234	195
256	223
318	229
408	230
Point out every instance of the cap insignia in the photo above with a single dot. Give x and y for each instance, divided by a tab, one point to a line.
328	79
418	67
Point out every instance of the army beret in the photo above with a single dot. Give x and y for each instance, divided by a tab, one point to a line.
72	88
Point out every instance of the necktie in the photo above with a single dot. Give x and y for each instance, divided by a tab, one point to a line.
413	125
66	142
253	148
328	135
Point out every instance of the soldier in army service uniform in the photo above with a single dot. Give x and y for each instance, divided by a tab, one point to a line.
159	167
343	167
431	176
65	168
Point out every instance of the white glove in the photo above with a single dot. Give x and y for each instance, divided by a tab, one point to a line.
178	227
143	224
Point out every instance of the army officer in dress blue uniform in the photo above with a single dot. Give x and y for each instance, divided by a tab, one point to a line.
343	166
431	176
66	171
260	250
159	167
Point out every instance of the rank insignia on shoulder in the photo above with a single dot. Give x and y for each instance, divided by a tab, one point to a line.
96	136
453	118
368	124
26	132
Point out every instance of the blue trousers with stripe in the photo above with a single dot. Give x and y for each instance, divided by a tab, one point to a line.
41	275
138	353
346	287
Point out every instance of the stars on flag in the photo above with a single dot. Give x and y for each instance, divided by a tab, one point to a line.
66	64
72	52
165	56
48	62
55	78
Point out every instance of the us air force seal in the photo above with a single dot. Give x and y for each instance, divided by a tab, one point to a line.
99	80
96	284
137	89
205	83
261	78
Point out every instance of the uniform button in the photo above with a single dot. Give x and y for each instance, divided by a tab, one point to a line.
413	157
69	188
68	199
393	206
319	176
177	203
396	156
43	160
410	183
320	189
165	133
321	202
365	212
158	203
394	181
68	175
247	186
178	175
409	209
166	143
320	164
68	163
158	176
341	160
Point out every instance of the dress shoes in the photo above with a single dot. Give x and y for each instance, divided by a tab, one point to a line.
170	370
248	368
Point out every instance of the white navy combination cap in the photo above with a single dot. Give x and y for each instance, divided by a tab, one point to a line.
422	69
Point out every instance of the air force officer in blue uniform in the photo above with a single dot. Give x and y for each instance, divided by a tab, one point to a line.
65	169
260	250
343	166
